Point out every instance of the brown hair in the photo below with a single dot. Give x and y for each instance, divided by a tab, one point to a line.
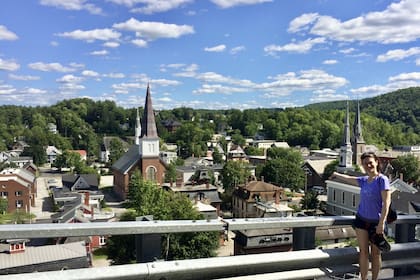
371	155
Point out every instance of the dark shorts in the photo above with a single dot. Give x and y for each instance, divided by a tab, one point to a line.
370	227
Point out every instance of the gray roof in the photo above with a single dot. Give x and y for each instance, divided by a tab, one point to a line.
43	254
128	160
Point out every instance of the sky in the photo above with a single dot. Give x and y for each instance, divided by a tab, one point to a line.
206	54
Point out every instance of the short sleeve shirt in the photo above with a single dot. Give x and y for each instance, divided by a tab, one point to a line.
370	206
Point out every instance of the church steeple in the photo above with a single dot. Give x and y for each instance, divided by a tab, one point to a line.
137	129
149	139
345	149
148	127
359	144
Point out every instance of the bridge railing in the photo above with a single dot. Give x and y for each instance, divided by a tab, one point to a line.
303	262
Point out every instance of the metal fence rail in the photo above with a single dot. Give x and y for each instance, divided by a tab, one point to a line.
299	262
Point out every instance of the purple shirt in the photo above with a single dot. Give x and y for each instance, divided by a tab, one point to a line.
370	206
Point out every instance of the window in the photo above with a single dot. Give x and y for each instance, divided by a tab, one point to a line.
343	197
353	200
4	194
151	173
18	193
19	203
102	240
334	195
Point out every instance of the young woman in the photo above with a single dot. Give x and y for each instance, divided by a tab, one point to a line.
370	222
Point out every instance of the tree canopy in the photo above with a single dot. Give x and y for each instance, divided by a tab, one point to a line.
146	198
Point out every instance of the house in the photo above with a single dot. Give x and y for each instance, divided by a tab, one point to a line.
52	127
314	171
205	193
236	153
143	155
19	187
76	182
17	258
258	241
171	125
52	153
185	174
266	144
168	157
245	198
81	153
105	148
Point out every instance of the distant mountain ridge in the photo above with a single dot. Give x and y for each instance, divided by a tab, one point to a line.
398	107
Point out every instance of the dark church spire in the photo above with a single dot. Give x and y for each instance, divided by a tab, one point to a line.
148	124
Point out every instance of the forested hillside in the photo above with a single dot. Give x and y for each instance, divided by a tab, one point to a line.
398	107
388	120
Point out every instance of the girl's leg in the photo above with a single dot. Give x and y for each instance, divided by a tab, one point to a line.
363	240
376	261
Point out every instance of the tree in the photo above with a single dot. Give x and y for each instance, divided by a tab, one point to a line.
146	198
3	205
283	173
407	165
329	169
170	174
310	201
284	168
116	150
233	174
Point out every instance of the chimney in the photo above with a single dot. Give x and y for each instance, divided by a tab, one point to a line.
262	178
277	199
402	177
207	185
87	196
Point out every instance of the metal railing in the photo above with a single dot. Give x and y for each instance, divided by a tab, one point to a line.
302	263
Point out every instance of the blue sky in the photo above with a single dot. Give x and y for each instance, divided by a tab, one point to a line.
212	54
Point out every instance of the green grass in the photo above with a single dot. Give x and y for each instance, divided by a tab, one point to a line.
100	253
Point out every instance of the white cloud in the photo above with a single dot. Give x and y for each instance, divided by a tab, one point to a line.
70	79
23	78
105	34
398	23
188	71
9	65
299	47
114	75
330	61
99	53
224	4
34	91
302	22
73	5
237	49
413	76
6	89
159	6
111	44
398	54
6	34
306	80
347	51
154	30
48	67
90	73
217	88
218	48
139	43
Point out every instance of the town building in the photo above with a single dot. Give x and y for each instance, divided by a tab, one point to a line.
143	155
18	186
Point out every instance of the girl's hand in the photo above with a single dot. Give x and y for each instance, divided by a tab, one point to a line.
380	229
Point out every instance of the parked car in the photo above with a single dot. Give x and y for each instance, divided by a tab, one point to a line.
318	189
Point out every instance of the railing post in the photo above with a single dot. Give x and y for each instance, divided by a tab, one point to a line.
148	246
303	238
404	233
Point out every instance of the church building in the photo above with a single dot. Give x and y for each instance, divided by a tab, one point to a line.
143	155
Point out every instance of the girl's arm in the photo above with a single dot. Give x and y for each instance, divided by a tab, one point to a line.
386	201
351	180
